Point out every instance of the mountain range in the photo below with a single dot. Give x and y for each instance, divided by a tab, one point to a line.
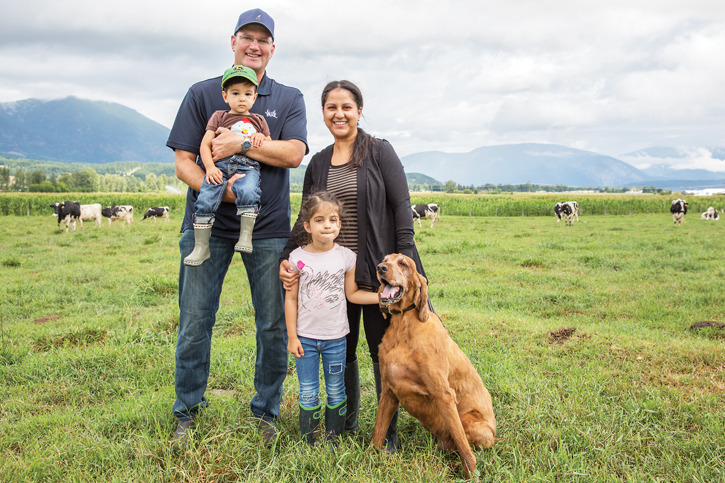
80	131
83	131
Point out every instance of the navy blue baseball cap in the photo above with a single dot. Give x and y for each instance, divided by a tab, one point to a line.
256	15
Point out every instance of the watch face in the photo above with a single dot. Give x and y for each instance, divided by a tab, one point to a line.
246	145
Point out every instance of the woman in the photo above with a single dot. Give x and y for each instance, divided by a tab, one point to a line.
367	176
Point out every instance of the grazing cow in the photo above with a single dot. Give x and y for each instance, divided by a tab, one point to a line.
68	212
567	211
678	210
429	211
123	212
573	208
156	212
91	212
710	214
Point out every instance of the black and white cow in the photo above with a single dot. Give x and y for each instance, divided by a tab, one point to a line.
425	212
710	214
567	211
156	212
91	212
123	212
573	210
678	210
68	212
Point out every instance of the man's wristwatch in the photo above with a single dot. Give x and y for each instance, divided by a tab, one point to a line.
246	144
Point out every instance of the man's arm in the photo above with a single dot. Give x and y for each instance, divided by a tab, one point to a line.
282	154
191	173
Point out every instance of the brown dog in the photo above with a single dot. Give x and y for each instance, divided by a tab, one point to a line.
425	371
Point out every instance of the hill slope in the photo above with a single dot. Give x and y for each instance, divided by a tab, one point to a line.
81	131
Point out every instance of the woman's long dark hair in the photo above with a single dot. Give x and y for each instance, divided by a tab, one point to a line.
363	141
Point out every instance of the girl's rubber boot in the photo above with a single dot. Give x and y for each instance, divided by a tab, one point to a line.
335	422
246	227
309	422
202	234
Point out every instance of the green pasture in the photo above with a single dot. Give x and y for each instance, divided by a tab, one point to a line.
580	333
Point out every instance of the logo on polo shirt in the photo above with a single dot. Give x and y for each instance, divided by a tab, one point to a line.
271	113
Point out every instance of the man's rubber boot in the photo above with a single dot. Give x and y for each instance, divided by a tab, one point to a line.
246	227
352	389
335	422
309	422
391	436
202	233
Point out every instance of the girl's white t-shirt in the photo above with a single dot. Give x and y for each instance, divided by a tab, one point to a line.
321	302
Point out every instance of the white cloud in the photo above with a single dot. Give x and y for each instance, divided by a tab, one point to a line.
611	77
687	157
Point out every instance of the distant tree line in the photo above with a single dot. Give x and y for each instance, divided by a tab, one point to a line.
132	177
85	181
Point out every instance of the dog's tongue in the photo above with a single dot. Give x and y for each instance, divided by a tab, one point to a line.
389	291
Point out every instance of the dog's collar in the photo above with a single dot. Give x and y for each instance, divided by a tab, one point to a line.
386	310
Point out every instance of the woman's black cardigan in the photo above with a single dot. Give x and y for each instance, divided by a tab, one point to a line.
385	219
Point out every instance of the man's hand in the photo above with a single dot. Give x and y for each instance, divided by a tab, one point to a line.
225	144
229	195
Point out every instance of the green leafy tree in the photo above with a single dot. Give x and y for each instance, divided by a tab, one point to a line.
86	180
450	186
20	179
36	177
4	178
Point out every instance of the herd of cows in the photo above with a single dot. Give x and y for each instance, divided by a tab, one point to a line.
72	212
569	210
679	210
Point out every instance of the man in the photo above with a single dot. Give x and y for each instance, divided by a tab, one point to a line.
200	286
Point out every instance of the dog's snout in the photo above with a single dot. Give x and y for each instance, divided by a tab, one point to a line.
382	268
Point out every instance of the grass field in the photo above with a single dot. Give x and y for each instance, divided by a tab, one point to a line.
581	334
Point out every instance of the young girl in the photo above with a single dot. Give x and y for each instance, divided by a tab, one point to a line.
316	314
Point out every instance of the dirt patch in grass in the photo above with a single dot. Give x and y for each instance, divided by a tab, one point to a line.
43	320
707	323
560	336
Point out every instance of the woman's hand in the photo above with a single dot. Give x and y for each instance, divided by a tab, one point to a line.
287	274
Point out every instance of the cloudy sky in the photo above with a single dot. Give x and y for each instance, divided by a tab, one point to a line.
608	76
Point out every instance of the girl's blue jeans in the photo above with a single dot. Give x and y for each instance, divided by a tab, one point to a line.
333	367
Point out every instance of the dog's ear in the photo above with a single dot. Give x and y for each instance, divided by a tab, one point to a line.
421	300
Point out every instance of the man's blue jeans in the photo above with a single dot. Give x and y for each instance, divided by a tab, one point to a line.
199	291
333	366
246	189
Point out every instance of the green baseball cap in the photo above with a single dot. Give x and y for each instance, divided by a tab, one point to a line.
240	71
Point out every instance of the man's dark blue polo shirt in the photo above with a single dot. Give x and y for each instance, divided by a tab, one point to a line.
284	109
